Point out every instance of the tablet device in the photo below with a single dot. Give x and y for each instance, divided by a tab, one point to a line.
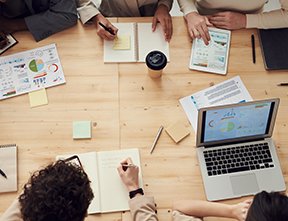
214	56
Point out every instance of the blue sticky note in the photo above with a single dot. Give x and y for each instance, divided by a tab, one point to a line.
81	129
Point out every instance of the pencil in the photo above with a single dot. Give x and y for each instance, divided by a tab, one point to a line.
107	29
156	139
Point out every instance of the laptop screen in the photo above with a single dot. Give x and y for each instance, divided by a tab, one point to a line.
237	122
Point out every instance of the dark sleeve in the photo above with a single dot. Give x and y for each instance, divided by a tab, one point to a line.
61	14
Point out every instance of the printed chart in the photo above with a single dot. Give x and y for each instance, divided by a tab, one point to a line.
29	71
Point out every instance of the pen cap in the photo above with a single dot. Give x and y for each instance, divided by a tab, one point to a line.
156	60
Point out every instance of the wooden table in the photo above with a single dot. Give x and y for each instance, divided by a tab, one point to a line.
128	107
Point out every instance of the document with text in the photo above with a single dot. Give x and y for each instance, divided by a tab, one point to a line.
227	92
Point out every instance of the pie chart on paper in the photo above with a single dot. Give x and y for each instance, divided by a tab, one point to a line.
36	65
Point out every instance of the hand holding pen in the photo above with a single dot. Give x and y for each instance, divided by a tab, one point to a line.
129	174
104	28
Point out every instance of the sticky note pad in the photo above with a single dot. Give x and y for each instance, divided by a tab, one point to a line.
177	131
122	42
38	98
81	129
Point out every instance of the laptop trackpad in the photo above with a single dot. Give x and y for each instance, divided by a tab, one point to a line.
244	184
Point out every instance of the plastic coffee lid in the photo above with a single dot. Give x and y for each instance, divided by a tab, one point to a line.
156	60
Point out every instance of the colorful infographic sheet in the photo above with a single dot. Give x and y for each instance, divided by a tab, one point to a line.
29	71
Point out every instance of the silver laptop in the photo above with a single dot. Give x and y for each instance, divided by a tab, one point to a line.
236	153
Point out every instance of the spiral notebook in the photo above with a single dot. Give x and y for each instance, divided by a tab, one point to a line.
8	168
134	41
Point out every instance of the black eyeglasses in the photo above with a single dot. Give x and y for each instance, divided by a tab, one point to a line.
74	159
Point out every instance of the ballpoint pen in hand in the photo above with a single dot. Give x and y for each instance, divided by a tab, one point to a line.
110	30
125	166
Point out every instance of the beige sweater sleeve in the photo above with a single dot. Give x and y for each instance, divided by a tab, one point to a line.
87	10
13	213
187	6
143	208
273	19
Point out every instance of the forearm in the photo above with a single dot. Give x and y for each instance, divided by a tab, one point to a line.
12	25
167	3
187	6
200	208
143	208
273	19
87	10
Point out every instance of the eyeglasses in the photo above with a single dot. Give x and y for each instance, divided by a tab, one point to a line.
74	159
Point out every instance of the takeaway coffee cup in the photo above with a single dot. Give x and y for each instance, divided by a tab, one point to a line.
155	62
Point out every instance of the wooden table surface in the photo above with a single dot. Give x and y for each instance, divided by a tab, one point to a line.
128	108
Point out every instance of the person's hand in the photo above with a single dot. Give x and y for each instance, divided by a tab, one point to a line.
9	26
239	210
197	26
129	174
164	18
101	31
228	20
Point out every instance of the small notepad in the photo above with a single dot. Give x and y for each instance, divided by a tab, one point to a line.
142	40
8	166
177	131
38	98
81	129
122	42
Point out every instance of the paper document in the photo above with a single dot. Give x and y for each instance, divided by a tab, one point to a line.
227	92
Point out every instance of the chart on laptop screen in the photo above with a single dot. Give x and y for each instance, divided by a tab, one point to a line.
236	122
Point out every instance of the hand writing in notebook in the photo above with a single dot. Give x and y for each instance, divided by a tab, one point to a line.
163	17
108	32
129	174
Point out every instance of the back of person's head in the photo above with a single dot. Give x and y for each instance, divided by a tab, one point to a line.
268	207
59	192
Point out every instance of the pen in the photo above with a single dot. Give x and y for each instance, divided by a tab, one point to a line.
283	84
156	139
107	29
125	166
253	48
3	174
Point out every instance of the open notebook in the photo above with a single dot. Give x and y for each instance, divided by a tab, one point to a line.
110	194
134	41
8	168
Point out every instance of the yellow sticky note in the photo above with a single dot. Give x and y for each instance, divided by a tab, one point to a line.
177	131
122	42
38	98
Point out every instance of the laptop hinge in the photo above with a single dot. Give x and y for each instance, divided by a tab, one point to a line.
232	142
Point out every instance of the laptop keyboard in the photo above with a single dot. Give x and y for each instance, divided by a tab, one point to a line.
237	159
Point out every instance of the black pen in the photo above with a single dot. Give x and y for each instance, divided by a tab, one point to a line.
3	174
253	48
283	84
107	29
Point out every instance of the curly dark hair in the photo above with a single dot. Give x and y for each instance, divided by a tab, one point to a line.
268	207
59	192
